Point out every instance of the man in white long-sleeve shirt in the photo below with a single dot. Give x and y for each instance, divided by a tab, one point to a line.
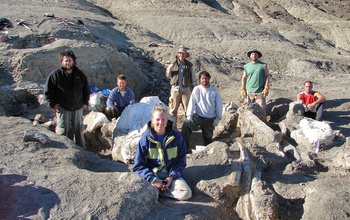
204	110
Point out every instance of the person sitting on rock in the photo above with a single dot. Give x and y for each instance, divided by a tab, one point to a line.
161	157
119	98
313	102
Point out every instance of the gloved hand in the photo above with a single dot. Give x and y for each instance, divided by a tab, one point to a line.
265	92
243	93
215	123
188	119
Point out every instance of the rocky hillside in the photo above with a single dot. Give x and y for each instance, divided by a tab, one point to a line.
300	40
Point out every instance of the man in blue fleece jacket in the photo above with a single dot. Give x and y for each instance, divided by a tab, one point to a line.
161	157
119	98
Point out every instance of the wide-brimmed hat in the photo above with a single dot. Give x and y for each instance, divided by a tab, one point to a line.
254	51
184	50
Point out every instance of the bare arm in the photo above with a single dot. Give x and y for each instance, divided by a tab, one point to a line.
320	98
244	79
267	76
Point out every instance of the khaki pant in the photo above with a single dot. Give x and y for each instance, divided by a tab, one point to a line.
178	189
71	122
177	97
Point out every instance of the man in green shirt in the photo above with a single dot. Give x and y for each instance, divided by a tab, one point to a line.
255	80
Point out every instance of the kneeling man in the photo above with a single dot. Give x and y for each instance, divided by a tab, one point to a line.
161	157
119	98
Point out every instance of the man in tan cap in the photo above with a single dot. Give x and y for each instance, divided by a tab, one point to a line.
182	80
255	80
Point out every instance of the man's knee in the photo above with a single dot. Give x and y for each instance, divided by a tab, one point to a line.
185	194
182	190
319	112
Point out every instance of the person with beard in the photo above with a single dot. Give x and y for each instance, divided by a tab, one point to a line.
161	157
255	80
67	93
204	110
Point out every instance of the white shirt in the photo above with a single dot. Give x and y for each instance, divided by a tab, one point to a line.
206	102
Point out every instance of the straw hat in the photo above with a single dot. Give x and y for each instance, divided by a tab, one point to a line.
183	50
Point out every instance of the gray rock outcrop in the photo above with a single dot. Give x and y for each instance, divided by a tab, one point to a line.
61	180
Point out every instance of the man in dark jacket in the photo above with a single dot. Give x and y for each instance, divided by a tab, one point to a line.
67	92
161	157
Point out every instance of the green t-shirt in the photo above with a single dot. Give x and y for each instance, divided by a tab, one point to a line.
255	76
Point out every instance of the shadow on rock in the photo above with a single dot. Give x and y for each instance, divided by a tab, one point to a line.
335	103
335	112
277	108
196	208
290	208
291	174
24	201
209	172
89	161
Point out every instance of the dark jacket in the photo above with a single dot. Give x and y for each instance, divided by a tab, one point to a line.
70	91
151	157
187	74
